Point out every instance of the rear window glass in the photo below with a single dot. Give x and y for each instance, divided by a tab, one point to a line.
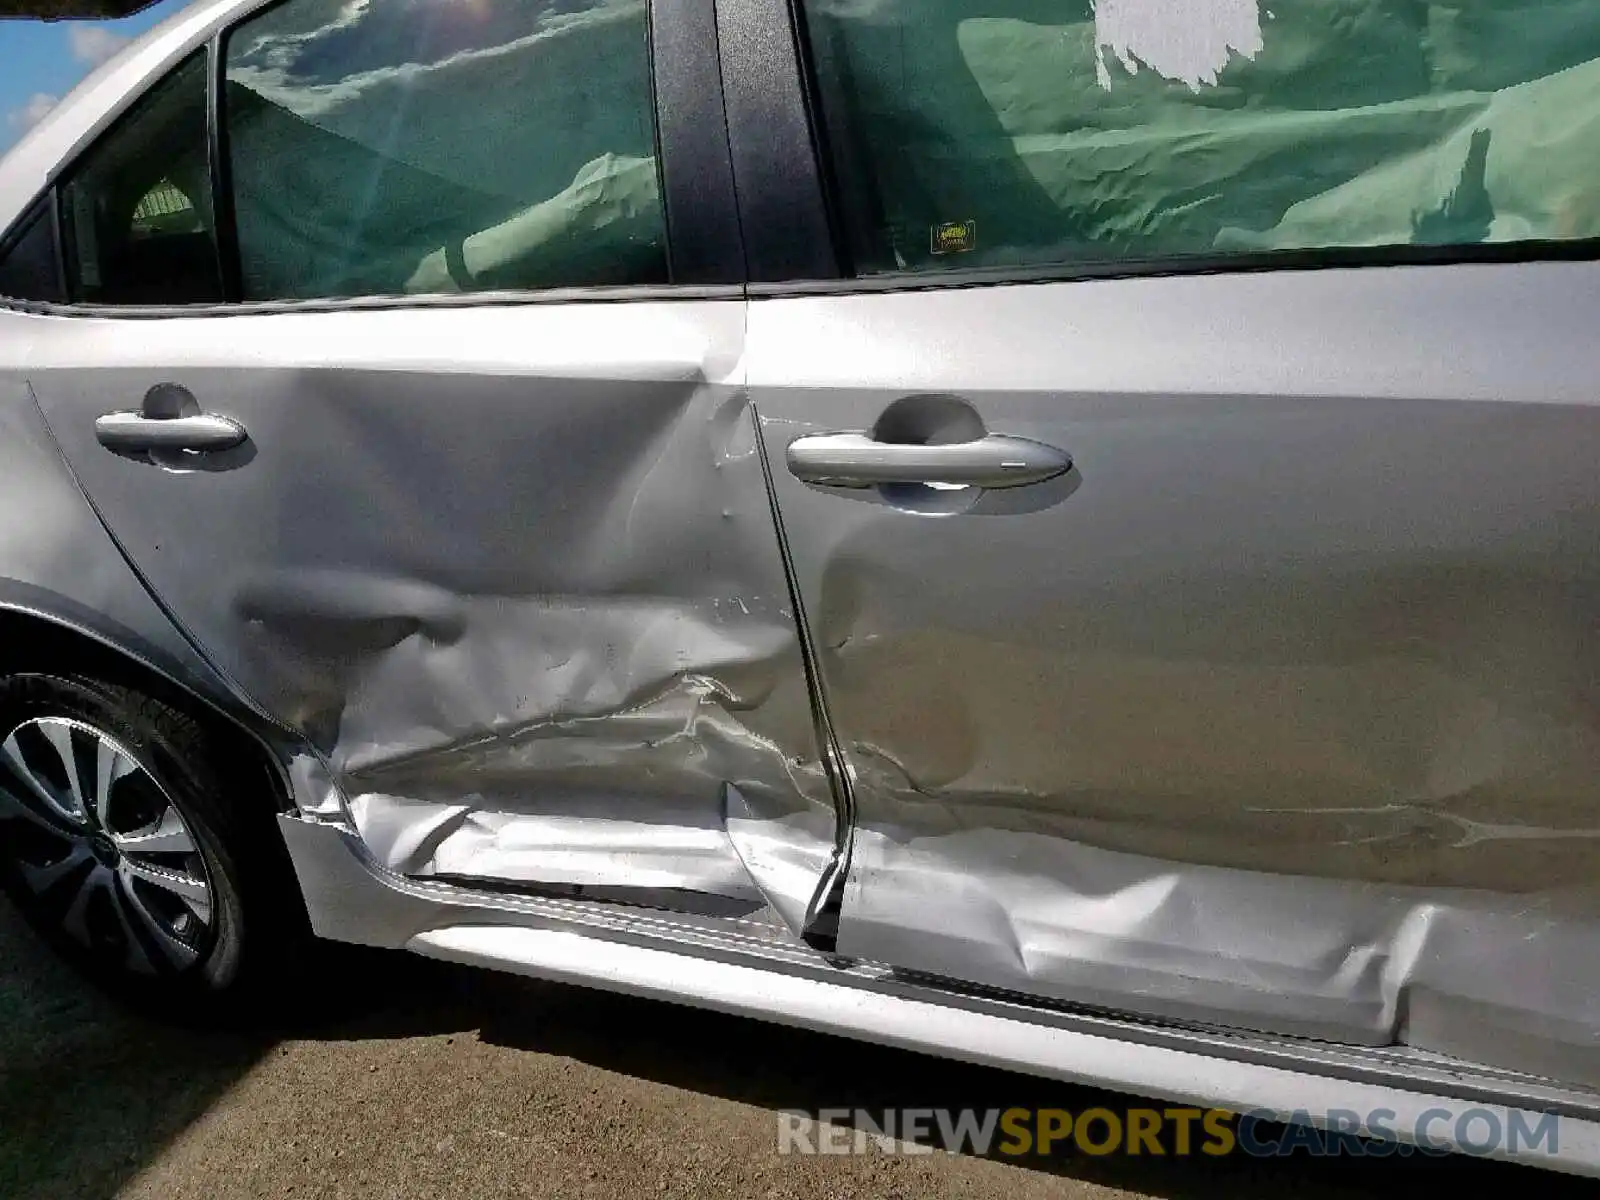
29	268
43	55
965	132
137	204
424	146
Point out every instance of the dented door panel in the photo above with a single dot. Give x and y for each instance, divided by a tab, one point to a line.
510	569
1280	710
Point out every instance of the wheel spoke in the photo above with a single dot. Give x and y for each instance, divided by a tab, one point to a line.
59	735
42	879
17	767
135	896
134	954
110	765
152	931
75	920
191	891
168	835
14	806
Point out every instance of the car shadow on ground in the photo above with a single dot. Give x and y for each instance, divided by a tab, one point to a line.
88	1090
90	1094
786	1070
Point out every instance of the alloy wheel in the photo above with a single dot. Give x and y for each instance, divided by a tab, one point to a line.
98	842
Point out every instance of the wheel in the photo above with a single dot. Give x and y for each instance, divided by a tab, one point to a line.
119	844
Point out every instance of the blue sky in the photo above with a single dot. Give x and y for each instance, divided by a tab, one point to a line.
41	61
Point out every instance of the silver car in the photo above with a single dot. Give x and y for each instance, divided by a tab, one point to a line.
1062	535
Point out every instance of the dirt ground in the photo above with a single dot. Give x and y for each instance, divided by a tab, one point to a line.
405	1078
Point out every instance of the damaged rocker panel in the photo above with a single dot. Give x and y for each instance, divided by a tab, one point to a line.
354	900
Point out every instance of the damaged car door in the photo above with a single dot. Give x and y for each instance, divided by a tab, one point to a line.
1213	640
430	446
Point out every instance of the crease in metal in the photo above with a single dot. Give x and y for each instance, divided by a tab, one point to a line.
1282	717
821	915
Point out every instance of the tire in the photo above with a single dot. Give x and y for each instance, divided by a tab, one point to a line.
123	845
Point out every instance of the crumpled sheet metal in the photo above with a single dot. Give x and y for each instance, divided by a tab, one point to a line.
510	570
585	738
581	742
1452	922
1330	959
577	842
630	797
1285	717
1368	825
786	849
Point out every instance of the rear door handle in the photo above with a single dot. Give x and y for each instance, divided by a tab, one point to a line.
133	431
856	460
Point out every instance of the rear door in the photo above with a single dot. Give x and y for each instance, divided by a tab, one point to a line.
1279	707
443	456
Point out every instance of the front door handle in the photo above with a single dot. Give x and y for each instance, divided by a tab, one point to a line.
200	432
857	460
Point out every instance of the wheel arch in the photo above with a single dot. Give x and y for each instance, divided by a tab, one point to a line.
37	636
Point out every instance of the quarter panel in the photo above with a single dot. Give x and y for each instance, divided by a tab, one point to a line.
56	559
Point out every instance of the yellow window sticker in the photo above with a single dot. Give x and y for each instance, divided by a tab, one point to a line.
952	237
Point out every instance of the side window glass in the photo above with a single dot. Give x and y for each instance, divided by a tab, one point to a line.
137	207
969	133
437	146
28	266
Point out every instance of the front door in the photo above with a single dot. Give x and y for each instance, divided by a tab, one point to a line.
1278	709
